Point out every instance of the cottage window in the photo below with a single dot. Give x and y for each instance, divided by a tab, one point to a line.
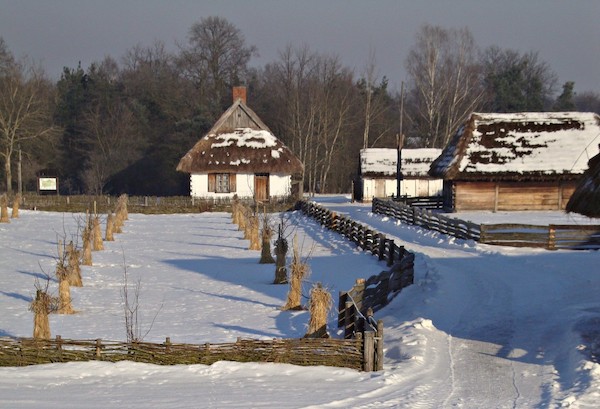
221	182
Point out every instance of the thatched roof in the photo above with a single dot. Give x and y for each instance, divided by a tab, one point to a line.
239	142
381	162
586	198
520	146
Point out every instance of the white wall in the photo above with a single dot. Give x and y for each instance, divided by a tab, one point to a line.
279	185
408	187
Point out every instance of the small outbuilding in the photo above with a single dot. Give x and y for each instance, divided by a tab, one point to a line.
378	177
586	198
241	156
517	161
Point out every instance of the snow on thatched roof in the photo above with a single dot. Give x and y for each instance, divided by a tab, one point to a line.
239	142
381	162
530	145
586	198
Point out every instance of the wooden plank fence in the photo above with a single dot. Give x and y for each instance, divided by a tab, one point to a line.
357	305
551	237
302	351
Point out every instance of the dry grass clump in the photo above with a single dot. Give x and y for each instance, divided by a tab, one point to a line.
299	271
319	306
15	207
4	209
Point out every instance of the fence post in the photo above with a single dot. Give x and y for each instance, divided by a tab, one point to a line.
551	237
343	297
168	344
369	350
359	293
381	250
98	348
59	346
390	255
349	320
379	350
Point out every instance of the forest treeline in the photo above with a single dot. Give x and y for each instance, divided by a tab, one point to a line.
122	124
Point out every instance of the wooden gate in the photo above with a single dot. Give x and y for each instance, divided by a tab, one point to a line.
261	187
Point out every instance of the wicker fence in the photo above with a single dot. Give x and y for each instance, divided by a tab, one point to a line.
551	237
140	204
302	351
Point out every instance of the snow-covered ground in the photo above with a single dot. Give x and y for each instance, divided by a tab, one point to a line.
483	326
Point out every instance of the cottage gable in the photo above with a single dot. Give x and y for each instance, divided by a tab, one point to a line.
240	142
520	146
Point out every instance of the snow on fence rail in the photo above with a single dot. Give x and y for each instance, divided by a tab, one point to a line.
302	351
551	237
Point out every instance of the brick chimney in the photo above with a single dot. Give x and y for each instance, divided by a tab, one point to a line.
239	93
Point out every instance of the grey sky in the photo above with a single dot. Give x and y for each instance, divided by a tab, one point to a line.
61	33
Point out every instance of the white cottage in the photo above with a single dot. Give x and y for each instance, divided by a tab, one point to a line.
378	173
240	156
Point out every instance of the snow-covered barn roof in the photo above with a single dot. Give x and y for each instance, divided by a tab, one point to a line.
240	142
586	198
519	146
381	162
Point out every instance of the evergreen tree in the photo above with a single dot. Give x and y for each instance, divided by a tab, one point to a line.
565	102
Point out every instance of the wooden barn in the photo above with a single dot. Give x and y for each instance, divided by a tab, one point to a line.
378	173
586	198
240	156
518	161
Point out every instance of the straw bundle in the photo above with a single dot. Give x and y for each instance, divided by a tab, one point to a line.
254	232
74	269
41	307
110	222
15	208
299	271
86	237
118	223
4	209
64	290
319	305
235	210
242	218
266	233
97	233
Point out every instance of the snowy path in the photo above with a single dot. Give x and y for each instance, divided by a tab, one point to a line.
499	349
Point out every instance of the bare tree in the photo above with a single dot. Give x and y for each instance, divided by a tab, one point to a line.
114	142
445	82
216	57
25	110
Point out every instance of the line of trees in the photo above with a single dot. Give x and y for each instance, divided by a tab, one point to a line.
122	126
